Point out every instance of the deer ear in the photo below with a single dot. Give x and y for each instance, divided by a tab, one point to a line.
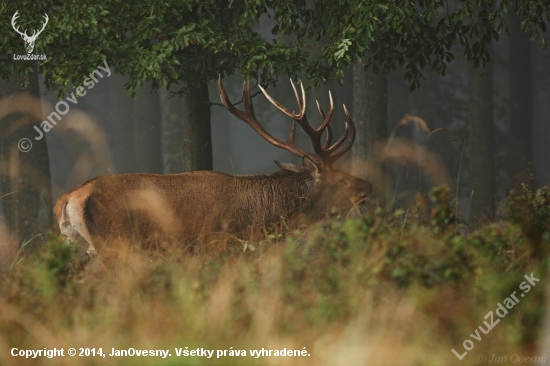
289	167
311	167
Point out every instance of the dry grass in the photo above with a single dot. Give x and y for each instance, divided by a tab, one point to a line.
363	291
149	303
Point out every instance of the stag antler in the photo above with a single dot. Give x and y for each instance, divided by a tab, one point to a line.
248	116
325	154
328	153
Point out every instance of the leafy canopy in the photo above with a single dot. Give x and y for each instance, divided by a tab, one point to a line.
195	40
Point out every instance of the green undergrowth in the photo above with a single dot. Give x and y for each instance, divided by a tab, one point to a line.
399	287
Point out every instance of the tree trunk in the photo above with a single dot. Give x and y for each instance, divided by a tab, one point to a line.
369	111
146	126
186	133
541	115
370	116
521	85
481	141
25	179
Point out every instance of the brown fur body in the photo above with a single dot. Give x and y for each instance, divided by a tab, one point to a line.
188	205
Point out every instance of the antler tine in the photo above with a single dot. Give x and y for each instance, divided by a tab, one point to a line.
279	105
340	140
292	137
328	139
320	109
225	99
326	120
349	133
302	103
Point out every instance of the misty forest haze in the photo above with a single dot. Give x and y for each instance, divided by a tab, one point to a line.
451	104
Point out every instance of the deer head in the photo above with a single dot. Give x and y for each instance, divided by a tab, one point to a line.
29	40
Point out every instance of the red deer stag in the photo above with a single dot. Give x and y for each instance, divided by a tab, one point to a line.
187	205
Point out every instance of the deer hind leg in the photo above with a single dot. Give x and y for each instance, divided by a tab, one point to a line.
72	225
